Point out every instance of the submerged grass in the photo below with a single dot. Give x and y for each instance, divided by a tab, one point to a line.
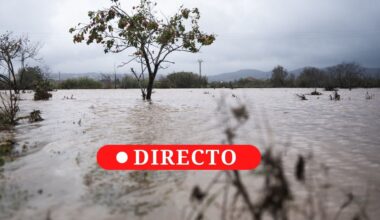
6	147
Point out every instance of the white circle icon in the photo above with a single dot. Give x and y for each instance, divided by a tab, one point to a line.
122	157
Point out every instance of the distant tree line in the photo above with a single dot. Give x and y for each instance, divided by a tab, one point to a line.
80	83
174	80
344	75
183	80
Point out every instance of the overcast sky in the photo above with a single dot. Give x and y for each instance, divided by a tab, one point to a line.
251	34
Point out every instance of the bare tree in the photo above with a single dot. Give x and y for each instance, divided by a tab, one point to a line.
347	75
140	77
10	49
14	50
8	107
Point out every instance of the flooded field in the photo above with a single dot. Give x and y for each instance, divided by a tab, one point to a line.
55	175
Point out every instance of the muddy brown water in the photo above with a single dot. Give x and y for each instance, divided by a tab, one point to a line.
55	174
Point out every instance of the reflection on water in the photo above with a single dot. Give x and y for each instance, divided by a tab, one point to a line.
132	192
60	178
149	122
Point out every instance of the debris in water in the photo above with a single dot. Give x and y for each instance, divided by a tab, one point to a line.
302	97
300	169
197	194
315	92
368	96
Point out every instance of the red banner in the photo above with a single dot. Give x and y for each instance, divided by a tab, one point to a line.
178	157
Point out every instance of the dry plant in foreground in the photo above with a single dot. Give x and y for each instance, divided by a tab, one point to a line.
229	192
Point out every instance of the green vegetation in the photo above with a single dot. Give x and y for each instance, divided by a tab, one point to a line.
80	83
130	82
31	76
42	89
248	82
174	80
183	80
6	148
8	109
345	75
35	116
5	121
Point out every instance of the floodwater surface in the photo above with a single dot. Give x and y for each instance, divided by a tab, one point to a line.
55	174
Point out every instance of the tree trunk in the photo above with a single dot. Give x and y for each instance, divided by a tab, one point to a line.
149	89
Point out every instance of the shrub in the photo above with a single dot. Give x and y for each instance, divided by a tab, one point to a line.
184	80
6	148
35	116
4	120
8	109
130	82
42	90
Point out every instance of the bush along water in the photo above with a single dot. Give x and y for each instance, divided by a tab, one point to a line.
42	90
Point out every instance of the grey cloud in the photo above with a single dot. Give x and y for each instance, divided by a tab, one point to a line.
251	33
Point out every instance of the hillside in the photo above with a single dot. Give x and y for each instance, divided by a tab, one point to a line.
258	74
